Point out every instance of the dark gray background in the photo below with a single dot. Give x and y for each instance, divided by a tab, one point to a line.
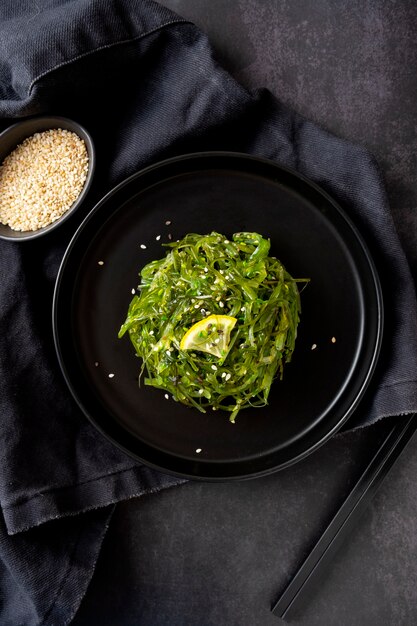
204	554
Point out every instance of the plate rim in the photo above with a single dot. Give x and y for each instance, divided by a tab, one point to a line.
376	349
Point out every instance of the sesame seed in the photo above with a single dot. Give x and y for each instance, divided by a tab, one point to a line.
168	223
42	178
226	241
133	292
223	374
242	309
101	262
168	352
201	391
333	339
96	363
111	375
314	346
206	269
142	245
228	376
198	450
151	332
221	272
158	237
197	306
169	236
221	305
166	396
213	367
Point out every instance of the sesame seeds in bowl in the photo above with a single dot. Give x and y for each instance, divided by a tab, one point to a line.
46	168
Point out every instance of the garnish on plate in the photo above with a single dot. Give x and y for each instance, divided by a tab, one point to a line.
215	321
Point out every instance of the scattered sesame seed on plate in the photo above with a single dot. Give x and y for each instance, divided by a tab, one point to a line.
198	450
111	375
96	363
101	262
168	223
169	236
158	237
314	346
214	367
166	396
142	245
333	339
133	291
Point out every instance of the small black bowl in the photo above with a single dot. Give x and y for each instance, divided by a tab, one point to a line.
14	135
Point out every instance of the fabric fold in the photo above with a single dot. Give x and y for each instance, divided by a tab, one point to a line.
44	574
92	26
85	496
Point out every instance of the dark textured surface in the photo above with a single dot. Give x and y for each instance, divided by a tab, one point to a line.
157	563
349	67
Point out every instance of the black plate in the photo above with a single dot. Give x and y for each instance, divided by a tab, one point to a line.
309	233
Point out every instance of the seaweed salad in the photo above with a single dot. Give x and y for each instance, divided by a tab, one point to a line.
214	321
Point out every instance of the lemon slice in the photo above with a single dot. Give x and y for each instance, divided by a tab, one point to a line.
211	335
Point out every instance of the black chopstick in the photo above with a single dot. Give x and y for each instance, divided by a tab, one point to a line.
346	517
